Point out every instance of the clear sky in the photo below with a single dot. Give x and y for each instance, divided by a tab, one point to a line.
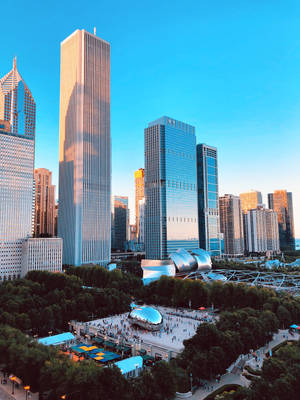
230	68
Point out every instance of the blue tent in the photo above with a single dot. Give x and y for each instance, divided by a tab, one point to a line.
130	364
57	339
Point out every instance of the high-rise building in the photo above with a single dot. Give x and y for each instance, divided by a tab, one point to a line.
208	199
120	222
44	215
139	179
272	229
142	222
250	200
231	224
17	105
84	214
281	202
17	133
261	231
171	220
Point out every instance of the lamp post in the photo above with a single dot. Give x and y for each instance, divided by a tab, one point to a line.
27	388
13	378
191	380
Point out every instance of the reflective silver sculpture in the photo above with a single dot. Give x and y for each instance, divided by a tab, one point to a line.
183	261
180	262
146	317
154	269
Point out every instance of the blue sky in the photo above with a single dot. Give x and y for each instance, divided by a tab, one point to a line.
230	68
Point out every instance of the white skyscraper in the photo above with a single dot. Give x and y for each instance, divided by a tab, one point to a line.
17	132
84	218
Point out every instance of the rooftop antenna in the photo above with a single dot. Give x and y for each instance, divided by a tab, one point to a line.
94	30
15	62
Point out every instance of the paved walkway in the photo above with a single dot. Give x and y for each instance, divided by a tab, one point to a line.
235	377
19	393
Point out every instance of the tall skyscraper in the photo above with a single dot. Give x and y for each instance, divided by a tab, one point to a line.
139	179
208	199
281	202
231	224
17	105
120	222
44	211
84	214
17	134
261	231
171	219
250	200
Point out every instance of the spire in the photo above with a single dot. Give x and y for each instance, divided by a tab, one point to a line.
15	63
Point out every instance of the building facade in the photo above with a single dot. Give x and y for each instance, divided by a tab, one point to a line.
84	214
142	221
139	180
250	200
41	254
171	219
261	231
231	224
17	136
120	222
208	199
281	202
44	210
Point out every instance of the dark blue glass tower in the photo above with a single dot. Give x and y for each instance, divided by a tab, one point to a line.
208	199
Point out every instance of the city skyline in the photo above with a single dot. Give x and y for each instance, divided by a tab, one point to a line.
249	112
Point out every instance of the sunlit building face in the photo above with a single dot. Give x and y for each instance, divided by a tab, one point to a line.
84	218
171	220
17	132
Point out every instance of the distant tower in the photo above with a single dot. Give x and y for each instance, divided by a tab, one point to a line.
139	179
281	202
120	222
84	213
250	200
231	224
171	220
17	133
208	199
44	216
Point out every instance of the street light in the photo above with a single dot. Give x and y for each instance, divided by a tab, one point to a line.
13	379
27	388
191	379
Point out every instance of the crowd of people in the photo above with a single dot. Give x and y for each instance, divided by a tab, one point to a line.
178	325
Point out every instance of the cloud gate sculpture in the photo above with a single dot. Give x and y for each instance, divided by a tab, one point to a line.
146	317
180	262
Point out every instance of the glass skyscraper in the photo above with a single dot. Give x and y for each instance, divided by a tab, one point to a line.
84	214
281	202
208	199
171	220
120	222
17	133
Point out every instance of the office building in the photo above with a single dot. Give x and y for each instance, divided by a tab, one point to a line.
208	199
84	214
17	105
171	220
250	200
120	222
142	221
281	202
17	134
44	210
139	180
272	229
231	224
261	232
41	254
